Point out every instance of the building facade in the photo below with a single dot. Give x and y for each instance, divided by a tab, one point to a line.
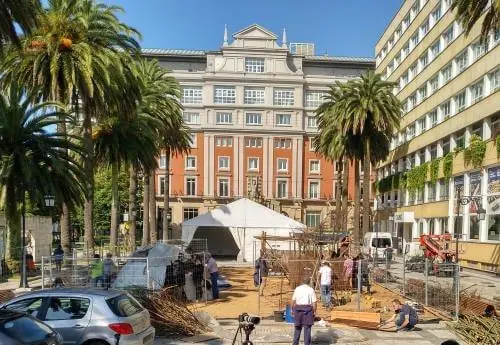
250	107
449	86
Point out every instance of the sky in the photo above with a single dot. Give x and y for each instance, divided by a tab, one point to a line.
336	27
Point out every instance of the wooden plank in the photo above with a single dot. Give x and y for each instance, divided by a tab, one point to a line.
356	316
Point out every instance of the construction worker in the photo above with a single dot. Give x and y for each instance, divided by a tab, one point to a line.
96	270
304	308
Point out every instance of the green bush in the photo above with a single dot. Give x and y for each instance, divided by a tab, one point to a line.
474	154
497	141
448	165
417	177
434	170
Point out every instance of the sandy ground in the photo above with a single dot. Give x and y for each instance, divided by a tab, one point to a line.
244	297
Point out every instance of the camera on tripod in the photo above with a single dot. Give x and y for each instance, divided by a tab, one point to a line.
246	319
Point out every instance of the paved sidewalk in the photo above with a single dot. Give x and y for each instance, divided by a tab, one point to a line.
270	332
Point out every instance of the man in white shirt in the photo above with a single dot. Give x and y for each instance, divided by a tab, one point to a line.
325	273
304	308
213	270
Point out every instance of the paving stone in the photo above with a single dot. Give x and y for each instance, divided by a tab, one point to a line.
404	335
442	333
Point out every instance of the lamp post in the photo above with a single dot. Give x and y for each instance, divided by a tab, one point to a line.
24	280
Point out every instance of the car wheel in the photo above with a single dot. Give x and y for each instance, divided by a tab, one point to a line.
96	342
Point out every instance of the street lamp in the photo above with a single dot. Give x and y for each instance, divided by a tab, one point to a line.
49	201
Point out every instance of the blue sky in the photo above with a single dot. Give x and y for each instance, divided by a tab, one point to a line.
337	27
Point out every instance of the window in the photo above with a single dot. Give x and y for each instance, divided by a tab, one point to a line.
192	139
436	15
422	124
421	157
406	21
283	97
311	143
433	151
282	164
253	163
162	185
191	118
448	35
495	80
446	73
192	95
413	100
312	122
282	143
314	98
494	226
414	71
163	162
224	95
477	92
478	49
223	186
435	49
313	219
477	129
406	49
254	95
434	84
282	188
189	213
124	306
424	28
283	119
190	162
433	118
445	146
431	191
410	131
424	60
224	141
223	163
253	142
314	166
462	61
460	101
397	59
446	109
422	93
64	308
313	190
31	306
254	65
25	330
254	119
460	140
191	186
414	39
223	118
404	79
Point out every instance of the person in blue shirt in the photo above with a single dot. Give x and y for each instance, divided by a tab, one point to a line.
404	318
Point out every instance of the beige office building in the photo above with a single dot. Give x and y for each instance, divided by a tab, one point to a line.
449	86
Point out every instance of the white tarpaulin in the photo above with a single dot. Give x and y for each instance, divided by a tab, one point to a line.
245	219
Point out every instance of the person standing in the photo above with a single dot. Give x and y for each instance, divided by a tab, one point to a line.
388	256
58	257
261	272
213	270
304	308
325	273
108	270
96	270
198	277
348	266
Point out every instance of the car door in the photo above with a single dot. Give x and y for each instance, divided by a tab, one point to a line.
34	306
69	315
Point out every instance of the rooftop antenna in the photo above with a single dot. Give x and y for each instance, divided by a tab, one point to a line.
225	44
284	43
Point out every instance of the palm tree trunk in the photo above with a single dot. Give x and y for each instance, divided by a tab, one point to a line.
153	228
88	164
366	189
13	220
114	208
166	195
338	199
145	210
132	196
356	235
345	194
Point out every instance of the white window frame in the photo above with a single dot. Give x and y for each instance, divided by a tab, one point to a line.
186	185
254	95
194	139
279	165
223	141
433	118
314	171
284	97
253	142
449	35
422	124
310	194
253	167
434	83
446	109
253	119
187	164
445	75
224	94
225	166
312	122
311	144
163	161
495	80
477	91
192	95
461	96
254	65
314	98
317	217
223	118
282	143
219	184
462	61
191	118
281	117
278	194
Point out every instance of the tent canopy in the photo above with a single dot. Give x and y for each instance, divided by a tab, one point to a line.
245	219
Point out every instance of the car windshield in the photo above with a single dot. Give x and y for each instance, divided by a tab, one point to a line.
25	330
381	242
123	305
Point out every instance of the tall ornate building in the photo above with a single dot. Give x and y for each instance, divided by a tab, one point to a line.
449	85
250	107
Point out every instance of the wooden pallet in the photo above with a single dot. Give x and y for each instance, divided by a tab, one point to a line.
359	319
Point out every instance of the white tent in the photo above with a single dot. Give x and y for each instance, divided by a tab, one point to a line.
243	219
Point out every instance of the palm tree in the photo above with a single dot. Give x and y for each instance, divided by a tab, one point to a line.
468	13
34	161
22	13
77	55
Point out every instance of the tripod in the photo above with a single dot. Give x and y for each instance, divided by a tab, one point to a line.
247	328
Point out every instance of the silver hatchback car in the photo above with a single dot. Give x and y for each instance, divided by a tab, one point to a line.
89	316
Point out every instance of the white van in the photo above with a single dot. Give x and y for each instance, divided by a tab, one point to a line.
375	243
